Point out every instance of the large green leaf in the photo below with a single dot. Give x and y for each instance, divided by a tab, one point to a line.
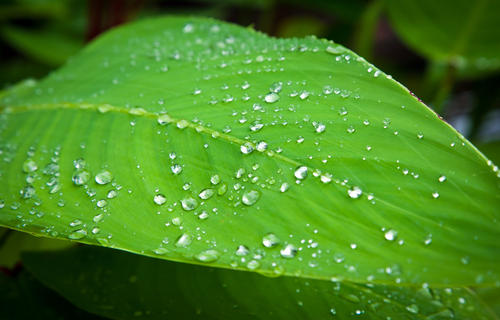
120	285
193	140
457	32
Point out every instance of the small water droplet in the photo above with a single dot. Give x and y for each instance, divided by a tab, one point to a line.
207	256
354	192
435	195
206	193
242	250
270	240
29	166
103	177
189	203
81	177
289	251
159	199
301	172
390	235
246	148
102	203
250	197
215	179
183	241
442	179
271	97
176	169
77	235
412	308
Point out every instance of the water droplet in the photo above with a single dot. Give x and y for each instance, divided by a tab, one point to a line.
290	251
176	169
215	179
354	192
261	146
253	264
159	199
189	203
270	240
250	197
246	148
242	250
103	177
29	166
301	172
271	97
284	187
163	119
207	256
206	194
413	308
81	177
435	195
102	203
183	241
112	194
390	235
77	235
442	179
27	192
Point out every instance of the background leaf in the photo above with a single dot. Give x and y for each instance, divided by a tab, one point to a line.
461	33
392	193
120	285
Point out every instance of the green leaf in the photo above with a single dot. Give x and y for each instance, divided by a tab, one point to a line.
120	285
460	33
186	139
24	297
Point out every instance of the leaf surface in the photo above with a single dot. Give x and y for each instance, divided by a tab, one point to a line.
198	141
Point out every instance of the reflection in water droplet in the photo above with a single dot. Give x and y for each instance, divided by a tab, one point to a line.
442	179
176	169
246	148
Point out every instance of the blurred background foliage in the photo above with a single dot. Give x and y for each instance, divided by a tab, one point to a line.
447	52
